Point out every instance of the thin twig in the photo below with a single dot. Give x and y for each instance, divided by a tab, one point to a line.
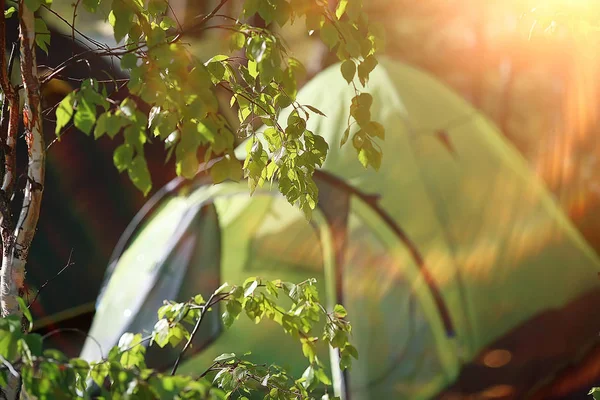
194	331
202	20
100	45
9	366
73	24
63	269
174	16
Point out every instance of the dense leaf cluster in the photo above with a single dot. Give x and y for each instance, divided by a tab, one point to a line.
49	374
260	76
172	99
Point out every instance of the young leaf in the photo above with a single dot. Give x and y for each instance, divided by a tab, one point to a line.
160	334
42	35
225	357
122	157
348	70
8	13
64	112
237	41
315	110
25	311
329	34
139	174
345	137
85	116
339	311
157	7
341	8
250	290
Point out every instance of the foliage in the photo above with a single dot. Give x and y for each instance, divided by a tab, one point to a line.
260	75
123	373
171	98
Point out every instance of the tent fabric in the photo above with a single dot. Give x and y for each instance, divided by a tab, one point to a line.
478	214
493	241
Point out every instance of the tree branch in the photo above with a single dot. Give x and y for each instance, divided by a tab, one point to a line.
203	312
9	123
16	248
16	258
10	140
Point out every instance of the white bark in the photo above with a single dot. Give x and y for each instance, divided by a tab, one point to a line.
15	252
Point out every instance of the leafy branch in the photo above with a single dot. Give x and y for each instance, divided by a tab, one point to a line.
180	91
124	369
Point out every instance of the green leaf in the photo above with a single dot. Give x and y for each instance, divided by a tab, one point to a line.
595	392
139	174
10	333
121	19
91	5
216	67
99	372
308	376
375	129
345	136
110	124
35	343
157	7
237	41
167	23
353	47
322	376
250	290
257	48
341	8
198	299
160	334
363	157
266	11
129	61
25	311
365	68
360	108
329	34
348	70
282	100
228	168
345	362
283	11
85	115
251	7
64	112
8	13
42	35
122	157
233	310
353	9
315	110
308	350
339	311
351	350
225	357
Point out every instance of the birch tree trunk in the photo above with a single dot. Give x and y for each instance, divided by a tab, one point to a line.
17	238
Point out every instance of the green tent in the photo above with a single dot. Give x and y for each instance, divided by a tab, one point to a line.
447	251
